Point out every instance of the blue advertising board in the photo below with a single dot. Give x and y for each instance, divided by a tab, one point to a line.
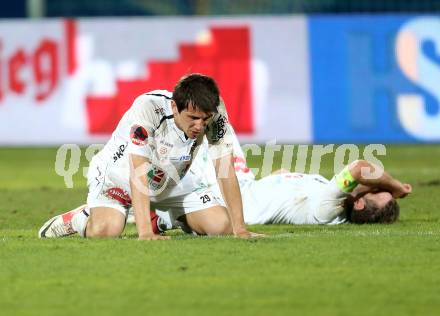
375	78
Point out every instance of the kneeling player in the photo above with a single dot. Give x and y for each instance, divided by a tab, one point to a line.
146	160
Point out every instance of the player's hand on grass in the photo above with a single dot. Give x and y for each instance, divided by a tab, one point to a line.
257	235
245	234
153	237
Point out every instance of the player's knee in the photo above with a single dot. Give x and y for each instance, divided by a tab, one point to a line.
103	230
222	226
212	222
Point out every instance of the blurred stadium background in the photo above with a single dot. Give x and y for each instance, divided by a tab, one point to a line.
72	8
317	71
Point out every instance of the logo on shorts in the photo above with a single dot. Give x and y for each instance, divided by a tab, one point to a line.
119	195
138	135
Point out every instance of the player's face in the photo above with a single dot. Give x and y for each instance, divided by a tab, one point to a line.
379	198
191	121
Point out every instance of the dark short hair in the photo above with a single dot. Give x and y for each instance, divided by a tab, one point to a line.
371	213
199	91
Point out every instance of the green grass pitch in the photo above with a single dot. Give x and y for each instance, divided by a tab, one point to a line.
296	270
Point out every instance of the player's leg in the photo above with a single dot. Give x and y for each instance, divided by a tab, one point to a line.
201	212
108	200
105	222
95	222
212	221
104	214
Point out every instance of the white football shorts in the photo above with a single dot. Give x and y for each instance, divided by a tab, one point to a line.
108	189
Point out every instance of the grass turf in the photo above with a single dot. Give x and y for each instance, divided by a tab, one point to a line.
304	270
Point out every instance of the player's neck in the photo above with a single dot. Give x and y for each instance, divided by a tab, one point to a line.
176	121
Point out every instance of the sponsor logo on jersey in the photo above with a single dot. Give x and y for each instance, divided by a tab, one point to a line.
165	143
185	158
319	180
138	135
156	177
119	195
160	111
163	150
219	128
181	158
120	152
292	175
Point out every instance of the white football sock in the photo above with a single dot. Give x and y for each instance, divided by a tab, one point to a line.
164	222
79	221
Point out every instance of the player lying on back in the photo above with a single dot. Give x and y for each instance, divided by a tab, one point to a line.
355	195
296	198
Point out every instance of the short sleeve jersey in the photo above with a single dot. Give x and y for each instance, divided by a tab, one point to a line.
148	129
296	198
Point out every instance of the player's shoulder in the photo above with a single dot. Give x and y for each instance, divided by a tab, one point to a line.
154	105
160	95
154	99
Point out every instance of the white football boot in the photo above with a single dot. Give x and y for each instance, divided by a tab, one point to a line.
60	225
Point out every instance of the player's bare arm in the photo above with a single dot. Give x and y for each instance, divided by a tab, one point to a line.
364	173
140	198
230	189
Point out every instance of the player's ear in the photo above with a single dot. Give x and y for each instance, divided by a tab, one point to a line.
174	107
359	204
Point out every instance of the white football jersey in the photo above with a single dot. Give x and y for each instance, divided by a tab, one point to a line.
293	198
148	129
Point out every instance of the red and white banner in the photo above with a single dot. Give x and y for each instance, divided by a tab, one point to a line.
70	81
